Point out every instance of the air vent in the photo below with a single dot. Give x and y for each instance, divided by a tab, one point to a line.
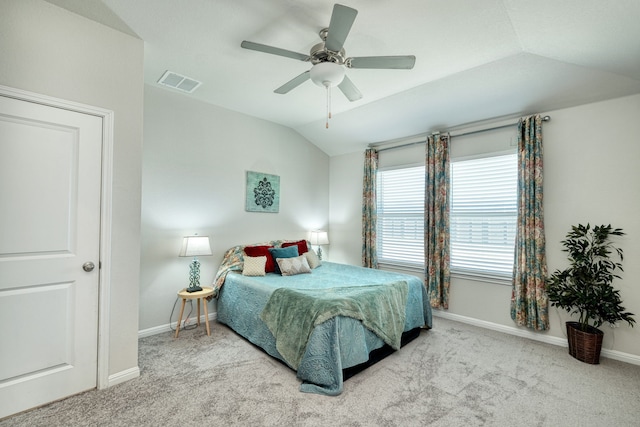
179	82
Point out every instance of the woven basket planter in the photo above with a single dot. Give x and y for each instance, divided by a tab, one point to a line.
584	345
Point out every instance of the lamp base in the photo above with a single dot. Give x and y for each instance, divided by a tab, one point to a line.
194	276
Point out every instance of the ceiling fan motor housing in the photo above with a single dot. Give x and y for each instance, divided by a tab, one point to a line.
319	53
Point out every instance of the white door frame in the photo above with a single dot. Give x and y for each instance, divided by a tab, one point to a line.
105	214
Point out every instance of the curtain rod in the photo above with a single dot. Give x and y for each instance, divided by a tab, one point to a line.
544	119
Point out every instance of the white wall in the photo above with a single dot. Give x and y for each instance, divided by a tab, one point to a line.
48	50
591	174
345	208
195	159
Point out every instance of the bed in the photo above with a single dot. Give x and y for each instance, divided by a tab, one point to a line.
346	316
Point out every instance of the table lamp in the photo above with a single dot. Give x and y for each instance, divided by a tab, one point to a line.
319	237
193	246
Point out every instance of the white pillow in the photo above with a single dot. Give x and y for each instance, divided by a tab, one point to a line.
293	266
312	259
254	266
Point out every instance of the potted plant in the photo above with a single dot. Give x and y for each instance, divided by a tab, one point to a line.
585	288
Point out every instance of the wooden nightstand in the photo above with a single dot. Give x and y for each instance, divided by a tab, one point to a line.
198	295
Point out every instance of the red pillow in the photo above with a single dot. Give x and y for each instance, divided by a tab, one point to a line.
254	251
301	244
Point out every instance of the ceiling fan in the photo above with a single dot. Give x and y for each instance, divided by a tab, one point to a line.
329	59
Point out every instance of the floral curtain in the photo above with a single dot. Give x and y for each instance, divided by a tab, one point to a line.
369	210
529	301
436	220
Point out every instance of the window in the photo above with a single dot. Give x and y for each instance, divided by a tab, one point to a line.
400	206
483	215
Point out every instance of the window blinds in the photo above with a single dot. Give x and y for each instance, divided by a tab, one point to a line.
483	215
400	206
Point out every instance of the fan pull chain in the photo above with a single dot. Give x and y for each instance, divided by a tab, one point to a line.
326	125
329	102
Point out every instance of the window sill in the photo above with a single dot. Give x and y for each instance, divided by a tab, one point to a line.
496	280
419	270
402	268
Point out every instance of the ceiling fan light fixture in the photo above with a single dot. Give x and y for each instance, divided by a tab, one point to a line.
327	74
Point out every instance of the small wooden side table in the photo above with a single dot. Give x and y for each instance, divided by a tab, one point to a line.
197	295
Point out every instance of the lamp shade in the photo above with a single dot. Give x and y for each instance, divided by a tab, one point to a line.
318	237
195	246
327	74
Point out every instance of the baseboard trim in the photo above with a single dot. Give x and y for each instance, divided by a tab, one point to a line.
172	326
511	330
622	357
536	336
120	377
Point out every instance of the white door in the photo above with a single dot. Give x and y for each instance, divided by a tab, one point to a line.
50	171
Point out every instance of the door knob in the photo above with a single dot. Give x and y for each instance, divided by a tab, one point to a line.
88	266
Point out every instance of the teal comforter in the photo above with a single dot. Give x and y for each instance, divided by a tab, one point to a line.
333	345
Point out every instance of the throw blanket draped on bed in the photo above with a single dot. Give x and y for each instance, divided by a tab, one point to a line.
292	314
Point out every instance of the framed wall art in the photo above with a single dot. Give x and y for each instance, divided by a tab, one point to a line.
263	192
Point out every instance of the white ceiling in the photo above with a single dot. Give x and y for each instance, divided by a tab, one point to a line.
476	59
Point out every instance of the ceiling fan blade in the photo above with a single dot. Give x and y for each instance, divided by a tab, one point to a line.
349	89
382	62
274	50
342	19
293	83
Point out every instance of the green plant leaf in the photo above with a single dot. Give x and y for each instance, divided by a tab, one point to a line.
585	287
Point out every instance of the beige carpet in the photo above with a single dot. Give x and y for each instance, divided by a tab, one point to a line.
453	375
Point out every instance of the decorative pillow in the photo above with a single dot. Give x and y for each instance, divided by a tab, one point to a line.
288	252
301	244
254	266
256	251
294	265
312	259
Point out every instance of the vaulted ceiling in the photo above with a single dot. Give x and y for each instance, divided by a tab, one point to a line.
475	59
